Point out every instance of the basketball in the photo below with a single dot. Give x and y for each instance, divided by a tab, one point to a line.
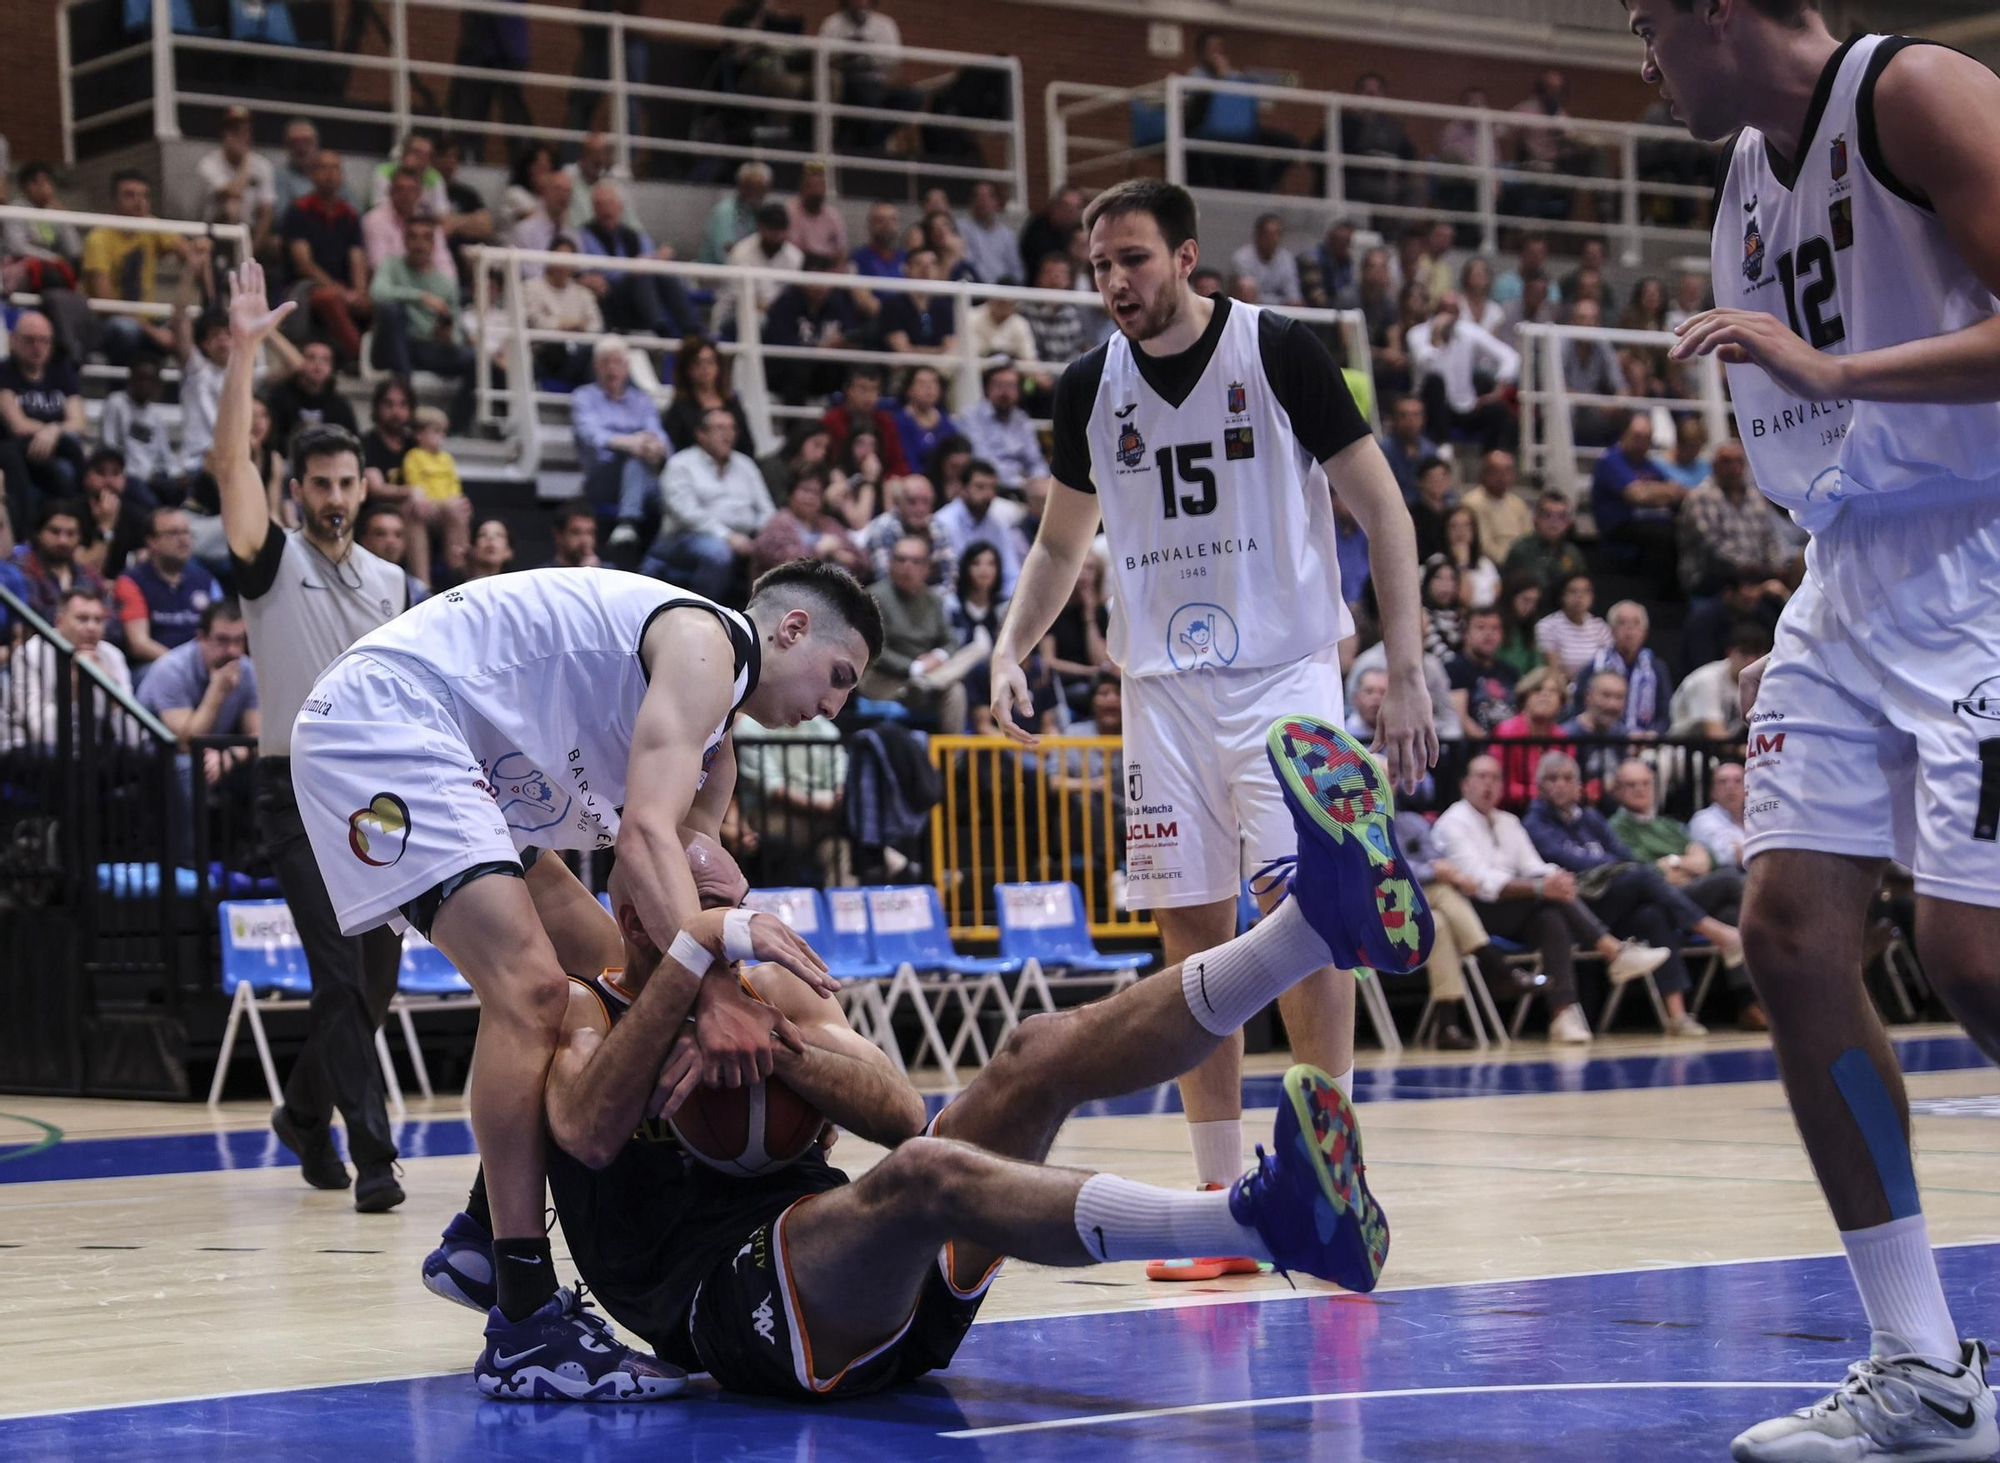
747	1130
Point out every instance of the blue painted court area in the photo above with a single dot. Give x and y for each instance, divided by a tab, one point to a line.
1637	1367
90	1158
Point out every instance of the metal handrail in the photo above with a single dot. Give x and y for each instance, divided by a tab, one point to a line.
823	54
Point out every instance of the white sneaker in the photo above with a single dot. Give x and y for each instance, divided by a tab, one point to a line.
622	536
1684	1026
1634	960
1568	1028
1896	1404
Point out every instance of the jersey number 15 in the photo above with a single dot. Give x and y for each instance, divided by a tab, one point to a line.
1188	457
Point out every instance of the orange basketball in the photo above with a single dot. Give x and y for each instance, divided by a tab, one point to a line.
747	1130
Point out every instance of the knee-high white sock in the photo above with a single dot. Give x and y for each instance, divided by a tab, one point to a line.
1897	1276
1118	1219
1228	985
1218	1151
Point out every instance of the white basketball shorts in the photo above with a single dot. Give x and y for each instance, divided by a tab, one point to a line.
392	797
1876	730
1202	808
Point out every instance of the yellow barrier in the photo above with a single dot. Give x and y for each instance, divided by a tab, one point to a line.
1010	815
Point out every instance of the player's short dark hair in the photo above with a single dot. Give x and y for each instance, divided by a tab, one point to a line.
322	439
828	586
569	510
1786	12
1170	205
101	456
1750	638
219	609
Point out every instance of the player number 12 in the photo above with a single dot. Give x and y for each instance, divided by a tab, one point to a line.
1188	457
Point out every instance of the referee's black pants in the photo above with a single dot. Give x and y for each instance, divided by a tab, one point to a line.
353	981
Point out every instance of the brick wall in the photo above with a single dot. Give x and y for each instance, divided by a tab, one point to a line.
1052	43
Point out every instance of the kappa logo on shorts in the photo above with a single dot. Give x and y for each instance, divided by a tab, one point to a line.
380	832
764	1322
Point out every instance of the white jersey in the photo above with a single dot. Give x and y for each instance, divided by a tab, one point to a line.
541	672
1206	466
1853	259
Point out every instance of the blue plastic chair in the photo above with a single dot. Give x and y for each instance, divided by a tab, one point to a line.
264	969
1044	927
847	954
906	925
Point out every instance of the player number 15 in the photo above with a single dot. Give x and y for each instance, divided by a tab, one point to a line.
1187	457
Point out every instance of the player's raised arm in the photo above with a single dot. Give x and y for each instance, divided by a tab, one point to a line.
246	509
1404	734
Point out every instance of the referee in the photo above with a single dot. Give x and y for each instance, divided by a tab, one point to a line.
308	594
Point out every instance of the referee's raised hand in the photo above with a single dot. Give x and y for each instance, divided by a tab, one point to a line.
1405	737
251	317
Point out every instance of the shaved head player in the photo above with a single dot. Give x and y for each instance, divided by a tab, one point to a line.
1204	435
1856	259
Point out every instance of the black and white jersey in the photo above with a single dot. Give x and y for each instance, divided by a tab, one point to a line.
1853	259
1206	466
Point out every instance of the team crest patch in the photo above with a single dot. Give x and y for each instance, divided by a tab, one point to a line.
1753	249
1131	446
1238	443
1238	399
1838	151
378	833
1841	215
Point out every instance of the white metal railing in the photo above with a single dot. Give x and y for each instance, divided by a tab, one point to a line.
236	234
1092	151
822	58
1548	406
500	328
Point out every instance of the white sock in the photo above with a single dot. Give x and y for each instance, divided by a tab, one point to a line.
1897	1276
1218	1151
1345	1082
1228	985
1119	1220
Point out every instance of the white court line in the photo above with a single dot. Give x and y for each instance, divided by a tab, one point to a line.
1245	1404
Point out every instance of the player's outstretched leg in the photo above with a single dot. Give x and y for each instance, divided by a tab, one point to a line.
1922	1392
857	1258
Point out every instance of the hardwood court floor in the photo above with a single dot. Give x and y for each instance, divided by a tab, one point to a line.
155	1252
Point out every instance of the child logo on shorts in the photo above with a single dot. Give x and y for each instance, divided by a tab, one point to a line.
380	832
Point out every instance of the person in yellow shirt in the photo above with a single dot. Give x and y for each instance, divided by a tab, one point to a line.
437	499
119	264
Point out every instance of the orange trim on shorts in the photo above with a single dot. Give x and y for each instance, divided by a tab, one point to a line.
945	1254
802	1362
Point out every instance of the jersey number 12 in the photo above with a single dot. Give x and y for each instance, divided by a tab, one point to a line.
1812	264
1188	457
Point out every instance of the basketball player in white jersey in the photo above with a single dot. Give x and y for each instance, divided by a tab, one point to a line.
1203	435
1856	257
558	708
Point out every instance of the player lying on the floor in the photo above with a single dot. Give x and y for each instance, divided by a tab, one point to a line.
800	1284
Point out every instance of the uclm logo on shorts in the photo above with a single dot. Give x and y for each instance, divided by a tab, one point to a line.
1154	832
1767	744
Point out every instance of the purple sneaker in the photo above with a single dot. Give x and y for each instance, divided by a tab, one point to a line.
1309	1198
461	1267
565	1352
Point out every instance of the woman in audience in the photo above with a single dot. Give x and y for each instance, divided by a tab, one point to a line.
1478	578
946	465
1475	288
920	421
492	551
941	237
1570	639
1520	604
1541	695
859	464
803	529
523	196
974	609
701	385
1444	621
1646	371
556	300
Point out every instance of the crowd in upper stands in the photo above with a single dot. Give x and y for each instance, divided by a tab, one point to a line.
1543	643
